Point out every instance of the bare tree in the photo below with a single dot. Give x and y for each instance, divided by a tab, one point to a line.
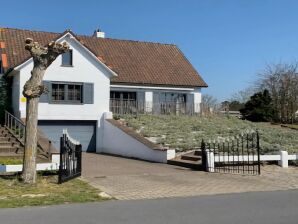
33	88
243	96
282	82
209	104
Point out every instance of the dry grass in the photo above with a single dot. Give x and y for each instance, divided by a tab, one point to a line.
185	133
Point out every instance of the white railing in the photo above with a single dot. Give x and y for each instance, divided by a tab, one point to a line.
15	126
283	159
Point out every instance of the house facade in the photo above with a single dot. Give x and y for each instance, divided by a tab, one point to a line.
96	76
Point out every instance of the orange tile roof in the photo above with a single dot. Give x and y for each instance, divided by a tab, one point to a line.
135	62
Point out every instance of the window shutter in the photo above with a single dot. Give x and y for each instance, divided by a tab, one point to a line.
46	97
190	103
88	93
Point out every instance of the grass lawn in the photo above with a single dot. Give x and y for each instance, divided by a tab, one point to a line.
185	133
45	192
10	160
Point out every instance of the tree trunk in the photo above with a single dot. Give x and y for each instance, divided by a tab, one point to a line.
33	86
30	154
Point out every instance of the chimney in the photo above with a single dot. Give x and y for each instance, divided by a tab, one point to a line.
98	33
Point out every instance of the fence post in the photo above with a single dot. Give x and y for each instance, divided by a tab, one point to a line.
61	162
210	160
258	151
284	159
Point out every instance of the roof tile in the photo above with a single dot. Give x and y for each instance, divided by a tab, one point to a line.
135	62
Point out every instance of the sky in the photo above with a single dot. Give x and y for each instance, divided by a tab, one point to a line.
227	41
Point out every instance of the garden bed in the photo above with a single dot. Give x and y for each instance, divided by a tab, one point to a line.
185	133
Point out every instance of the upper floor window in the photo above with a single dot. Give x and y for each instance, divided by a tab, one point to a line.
67	58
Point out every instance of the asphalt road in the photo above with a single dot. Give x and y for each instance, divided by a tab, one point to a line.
279	207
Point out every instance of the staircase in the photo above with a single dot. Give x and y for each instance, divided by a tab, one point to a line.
12	139
9	145
192	160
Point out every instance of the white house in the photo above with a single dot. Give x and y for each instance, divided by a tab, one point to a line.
95	72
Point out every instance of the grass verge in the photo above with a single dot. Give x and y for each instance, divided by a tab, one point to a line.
45	192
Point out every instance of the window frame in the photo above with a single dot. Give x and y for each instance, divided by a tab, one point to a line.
70	51
66	96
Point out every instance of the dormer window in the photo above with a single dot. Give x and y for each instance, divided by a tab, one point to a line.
67	58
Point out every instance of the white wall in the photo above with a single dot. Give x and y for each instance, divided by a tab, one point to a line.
85	69
116	141
16	94
197	99
148	101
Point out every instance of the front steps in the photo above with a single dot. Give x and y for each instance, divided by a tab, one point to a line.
9	145
192	160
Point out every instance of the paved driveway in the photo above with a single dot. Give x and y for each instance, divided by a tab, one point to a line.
133	179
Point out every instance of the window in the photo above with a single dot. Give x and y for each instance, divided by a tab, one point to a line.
67	58
1	68
125	96
74	92
58	92
67	93
167	97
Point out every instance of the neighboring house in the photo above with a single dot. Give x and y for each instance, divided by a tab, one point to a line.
81	82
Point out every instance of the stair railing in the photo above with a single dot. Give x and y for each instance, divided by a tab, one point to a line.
15	126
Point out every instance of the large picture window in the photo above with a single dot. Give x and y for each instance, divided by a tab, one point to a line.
64	93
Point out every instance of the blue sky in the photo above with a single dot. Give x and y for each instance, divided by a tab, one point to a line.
227	41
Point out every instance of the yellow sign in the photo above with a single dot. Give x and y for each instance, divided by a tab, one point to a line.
23	99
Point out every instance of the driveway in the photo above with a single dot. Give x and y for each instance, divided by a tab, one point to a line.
127	179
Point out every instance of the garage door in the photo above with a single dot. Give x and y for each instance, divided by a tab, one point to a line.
83	131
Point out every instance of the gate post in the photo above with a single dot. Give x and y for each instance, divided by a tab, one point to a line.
210	160
284	159
204	156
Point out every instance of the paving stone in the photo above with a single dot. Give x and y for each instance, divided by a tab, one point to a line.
128	179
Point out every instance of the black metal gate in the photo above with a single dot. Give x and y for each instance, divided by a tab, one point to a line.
239	154
70	158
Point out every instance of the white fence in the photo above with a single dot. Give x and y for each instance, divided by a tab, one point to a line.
283	159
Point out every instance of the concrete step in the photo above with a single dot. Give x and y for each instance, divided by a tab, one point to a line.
11	149
198	153
191	157
10	143
195	165
8	154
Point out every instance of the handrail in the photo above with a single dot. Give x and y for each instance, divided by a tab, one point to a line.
18	129
15	126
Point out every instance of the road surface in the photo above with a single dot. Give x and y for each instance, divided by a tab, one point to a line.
279	207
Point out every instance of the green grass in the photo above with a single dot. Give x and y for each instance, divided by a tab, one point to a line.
185	133
45	192
5	160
